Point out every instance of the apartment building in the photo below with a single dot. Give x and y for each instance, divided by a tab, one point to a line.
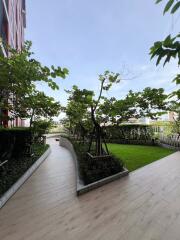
12	25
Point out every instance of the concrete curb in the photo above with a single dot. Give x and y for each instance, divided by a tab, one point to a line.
7	195
80	187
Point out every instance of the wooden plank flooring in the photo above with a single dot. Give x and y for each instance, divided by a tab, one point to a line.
143	206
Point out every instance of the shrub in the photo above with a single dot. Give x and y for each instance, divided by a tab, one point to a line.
15	168
14	142
16	146
93	169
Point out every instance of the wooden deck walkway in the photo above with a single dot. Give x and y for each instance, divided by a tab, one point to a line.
143	206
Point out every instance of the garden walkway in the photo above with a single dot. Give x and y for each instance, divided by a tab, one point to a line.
143	206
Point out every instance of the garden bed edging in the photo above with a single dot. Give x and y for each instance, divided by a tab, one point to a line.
80	187
13	189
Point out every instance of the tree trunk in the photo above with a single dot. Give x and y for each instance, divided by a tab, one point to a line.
98	133
31	119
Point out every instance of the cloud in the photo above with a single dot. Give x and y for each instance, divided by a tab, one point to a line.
147	76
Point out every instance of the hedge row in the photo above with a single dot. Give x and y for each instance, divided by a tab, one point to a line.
17	146
14	142
129	134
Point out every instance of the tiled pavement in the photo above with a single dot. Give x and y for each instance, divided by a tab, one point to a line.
143	206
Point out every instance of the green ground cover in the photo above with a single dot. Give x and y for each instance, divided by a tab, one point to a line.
136	156
17	167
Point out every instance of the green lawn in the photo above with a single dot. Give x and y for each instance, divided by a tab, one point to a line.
136	156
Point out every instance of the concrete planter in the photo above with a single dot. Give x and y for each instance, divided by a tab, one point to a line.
80	187
7	195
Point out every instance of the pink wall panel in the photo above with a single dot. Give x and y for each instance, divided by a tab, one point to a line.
16	23
14	11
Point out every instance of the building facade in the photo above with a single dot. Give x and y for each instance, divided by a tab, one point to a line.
12	25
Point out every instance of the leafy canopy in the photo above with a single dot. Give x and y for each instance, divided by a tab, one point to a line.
167	50
19	74
170	47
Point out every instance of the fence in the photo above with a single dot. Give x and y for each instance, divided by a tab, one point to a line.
171	142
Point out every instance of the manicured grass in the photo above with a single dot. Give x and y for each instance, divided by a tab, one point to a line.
136	156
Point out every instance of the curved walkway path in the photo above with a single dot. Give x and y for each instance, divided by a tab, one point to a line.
143	206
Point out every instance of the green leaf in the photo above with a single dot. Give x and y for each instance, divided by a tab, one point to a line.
75	88
175	8
158	1
168	6
159	59
177	79
167	59
66	71
167	41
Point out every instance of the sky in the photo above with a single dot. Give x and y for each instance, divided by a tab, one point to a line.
89	37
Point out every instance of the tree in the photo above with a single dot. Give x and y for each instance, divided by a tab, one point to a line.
104	112
152	103
36	105
79	103
117	111
167	50
82	109
41	127
170	47
106	82
126	109
18	75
